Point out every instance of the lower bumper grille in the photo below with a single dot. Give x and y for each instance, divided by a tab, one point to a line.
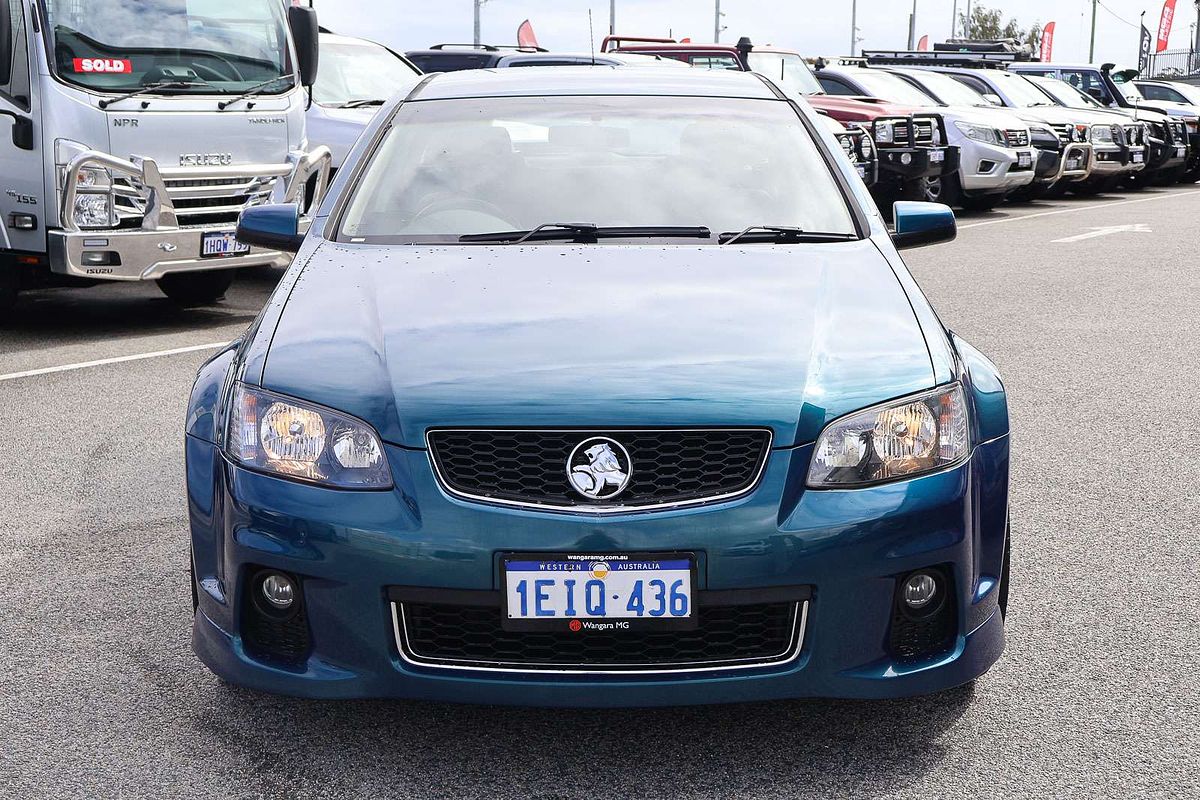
728	637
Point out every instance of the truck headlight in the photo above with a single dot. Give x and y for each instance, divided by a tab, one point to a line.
980	133
93	210
900	439
1102	134
885	132
280	435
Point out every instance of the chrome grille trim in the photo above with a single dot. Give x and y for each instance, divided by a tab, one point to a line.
1016	138
790	654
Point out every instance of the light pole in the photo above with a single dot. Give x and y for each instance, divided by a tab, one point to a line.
1092	44
612	17
954	20
478	5
912	27
717	28
854	26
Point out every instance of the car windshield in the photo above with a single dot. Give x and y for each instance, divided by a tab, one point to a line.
198	46
948	90
788	69
1021	91
353	72
1064	93
448	168
1191	94
892	88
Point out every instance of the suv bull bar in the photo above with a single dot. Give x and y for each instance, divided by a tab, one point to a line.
911	159
160	245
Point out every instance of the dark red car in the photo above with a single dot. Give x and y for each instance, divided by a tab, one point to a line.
910	143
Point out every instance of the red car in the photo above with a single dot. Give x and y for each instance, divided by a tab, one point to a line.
910	142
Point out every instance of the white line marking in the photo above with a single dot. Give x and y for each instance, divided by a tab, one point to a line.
1107	230
12	376
1093	207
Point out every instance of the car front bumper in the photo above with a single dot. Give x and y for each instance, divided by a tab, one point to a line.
986	169
137	255
357	553
918	162
1116	159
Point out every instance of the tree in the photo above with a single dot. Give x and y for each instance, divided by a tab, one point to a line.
988	23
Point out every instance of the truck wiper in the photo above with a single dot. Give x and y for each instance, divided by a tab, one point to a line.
783	234
257	89
362	103
152	87
588	232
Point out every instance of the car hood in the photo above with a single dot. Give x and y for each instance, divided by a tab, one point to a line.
411	338
860	109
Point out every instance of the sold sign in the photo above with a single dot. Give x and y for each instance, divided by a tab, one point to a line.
103	65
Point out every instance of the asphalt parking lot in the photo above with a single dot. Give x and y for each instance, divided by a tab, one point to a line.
1088	307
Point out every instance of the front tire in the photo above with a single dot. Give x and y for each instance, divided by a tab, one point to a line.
941	189
196	288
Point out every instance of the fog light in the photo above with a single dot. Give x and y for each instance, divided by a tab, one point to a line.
279	590
100	258
920	590
905	159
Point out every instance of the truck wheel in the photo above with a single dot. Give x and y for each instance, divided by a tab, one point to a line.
942	189
196	288
10	285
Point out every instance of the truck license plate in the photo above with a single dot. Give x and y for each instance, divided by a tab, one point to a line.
602	593
1024	160
1138	158
937	156
221	243
1180	152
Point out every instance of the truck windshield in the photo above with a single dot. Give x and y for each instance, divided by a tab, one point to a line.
196	46
1065	93
356	72
463	167
1023	93
788	69
886	86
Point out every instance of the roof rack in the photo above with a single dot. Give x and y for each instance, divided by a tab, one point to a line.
613	42
967	60
490	48
1023	52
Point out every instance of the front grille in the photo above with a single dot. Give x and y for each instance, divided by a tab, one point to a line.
1016	138
728	636
667	467
1064	131
207	201
922	130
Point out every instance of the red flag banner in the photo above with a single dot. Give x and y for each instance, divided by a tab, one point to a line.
1164	24
923	45
525	35
1047	42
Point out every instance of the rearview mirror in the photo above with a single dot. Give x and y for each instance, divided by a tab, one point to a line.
921	224
305	33
273	226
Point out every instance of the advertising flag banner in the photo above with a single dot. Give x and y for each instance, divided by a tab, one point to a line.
526	36
924	43
1164	24
1047	42
1144	50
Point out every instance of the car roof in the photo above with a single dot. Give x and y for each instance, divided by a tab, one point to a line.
597	80
337	38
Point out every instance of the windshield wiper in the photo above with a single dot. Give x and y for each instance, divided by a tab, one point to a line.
783	234
587	232
361	103
252	91
152	87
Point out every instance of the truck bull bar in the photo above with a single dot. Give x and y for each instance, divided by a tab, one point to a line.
160	244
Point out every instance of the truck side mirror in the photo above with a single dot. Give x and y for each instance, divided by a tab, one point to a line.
273	226
22	129
920	224
305	33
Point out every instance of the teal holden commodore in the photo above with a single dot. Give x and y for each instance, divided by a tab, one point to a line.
597	386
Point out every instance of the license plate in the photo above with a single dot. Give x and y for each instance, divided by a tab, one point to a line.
1073	164
862	170
1180	152
598	593
937	156
1138	158
1024	160
221	243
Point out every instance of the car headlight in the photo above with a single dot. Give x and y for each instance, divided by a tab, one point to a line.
885	132
289	437
980	133
1102	134
900	439
93	210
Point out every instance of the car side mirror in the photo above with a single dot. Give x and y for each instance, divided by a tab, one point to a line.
305	33
994	99
921	224
273	226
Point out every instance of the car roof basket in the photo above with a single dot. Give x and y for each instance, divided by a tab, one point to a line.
491	48
944	59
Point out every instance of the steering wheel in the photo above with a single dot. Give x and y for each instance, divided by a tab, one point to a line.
209	73
461	203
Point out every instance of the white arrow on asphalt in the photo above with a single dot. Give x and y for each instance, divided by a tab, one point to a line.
1109	230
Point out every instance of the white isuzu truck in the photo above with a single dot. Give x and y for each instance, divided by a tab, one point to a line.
139	131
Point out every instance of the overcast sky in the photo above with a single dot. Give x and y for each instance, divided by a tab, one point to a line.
814	27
